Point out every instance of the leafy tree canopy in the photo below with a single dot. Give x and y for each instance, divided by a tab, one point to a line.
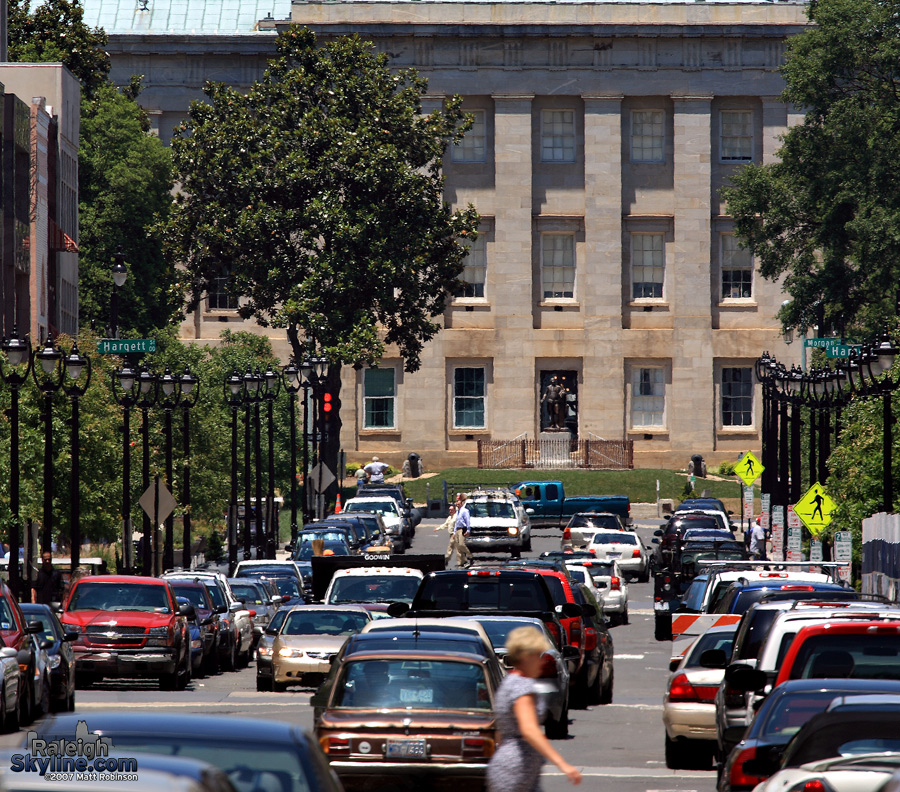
827	215
321	192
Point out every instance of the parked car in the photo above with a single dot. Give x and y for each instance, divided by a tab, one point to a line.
57	643
15	632
374	526
254	754
10	688
128	626
373	584
257	600
308	639
742	594
624	548
196	638
689	710
582	526
399	715
498	522
265	652
611	584
548	507
197	593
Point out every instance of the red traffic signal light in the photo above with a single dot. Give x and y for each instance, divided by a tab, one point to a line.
326	402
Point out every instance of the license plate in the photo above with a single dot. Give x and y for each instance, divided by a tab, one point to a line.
416	695
405	749
612	554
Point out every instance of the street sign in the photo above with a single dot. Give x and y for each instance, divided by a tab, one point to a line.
321	477
815	509
840	351
163	507
765	508
795	530
815	550
843	553
748	468
125	346
748	504
778	533
827	343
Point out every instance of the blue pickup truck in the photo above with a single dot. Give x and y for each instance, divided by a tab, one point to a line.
548	506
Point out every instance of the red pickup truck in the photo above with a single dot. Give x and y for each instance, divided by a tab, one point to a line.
129	627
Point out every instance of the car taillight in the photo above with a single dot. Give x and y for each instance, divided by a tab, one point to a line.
477	746
635	553
548	666
567	534
336	745
682	690
575	633
738	779
796	588
554	631
482	572
615	584
813	786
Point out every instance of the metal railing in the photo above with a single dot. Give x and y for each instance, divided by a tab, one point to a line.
556	453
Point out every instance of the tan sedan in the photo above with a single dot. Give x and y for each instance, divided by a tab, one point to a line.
309	637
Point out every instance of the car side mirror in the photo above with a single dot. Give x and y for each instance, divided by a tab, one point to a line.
730	513
589	610
657	533
397	609
34	628
46	645
713	658
529	511
221	609
187	610
56	607
674	663
236	606
70	635
7	652
571	652
271	631
744	678
206	622
570	610
277	599
653	541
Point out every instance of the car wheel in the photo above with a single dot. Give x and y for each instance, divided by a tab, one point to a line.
527	546
185	676
212	661
230	663
673	758
169	681
606	694
44	706
662	627
10	715
578	691
279	687
516	552
558	729
70	702
264	684
624	618
26	703
644	577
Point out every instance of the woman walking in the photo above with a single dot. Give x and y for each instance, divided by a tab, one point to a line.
516	765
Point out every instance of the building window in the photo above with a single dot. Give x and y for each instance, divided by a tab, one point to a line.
219	298
558	136
648	266
473	147
474	269
468	398
737	135
379	395
558	266
737	270
737	396
647	136
648	397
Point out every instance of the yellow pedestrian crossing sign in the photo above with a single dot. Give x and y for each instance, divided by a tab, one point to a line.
815	509
748	468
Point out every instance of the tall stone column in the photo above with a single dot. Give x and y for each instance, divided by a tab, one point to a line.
690	420
602	398
511	299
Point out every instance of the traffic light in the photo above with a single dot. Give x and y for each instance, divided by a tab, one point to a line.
327	404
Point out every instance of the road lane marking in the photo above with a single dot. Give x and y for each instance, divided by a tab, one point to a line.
629	656
632	772
188	705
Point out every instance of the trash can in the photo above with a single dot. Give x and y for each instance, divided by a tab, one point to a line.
414	469
697	466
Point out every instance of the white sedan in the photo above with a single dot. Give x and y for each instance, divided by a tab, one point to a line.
624	548
609	585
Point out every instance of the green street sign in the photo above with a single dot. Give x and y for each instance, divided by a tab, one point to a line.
829	343
840	350
126	346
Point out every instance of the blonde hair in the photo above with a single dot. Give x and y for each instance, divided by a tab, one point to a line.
524	641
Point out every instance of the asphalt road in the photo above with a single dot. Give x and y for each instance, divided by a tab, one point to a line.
618	746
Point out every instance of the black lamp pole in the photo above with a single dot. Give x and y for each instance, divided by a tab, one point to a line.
76	365
148	390
49	380
17	352
120	275
234	386
125	392
272	383
171	397
251	386
257	458
190	391
292	384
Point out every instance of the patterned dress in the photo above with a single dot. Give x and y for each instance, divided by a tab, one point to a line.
516	766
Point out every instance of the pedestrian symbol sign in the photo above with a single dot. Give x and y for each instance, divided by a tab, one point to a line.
815	509
749	468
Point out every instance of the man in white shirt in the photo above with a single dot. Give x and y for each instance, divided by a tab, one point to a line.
376	469
758	542
461	530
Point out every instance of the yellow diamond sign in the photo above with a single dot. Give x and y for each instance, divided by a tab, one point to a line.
815	509
749	468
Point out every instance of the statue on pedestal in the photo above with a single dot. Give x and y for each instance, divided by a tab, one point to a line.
555	398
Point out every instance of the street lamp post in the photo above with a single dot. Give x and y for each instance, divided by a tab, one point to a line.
257	458
18	352
249	396
170	386
76	365
317	368
272	383
190	391
292	384
120	275
148	395
48	376
234	386
125	392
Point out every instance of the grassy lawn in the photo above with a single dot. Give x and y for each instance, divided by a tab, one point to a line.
638	485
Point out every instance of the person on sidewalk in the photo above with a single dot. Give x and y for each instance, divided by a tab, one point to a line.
758	542
461	527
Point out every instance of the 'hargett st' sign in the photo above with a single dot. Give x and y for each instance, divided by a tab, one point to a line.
125	346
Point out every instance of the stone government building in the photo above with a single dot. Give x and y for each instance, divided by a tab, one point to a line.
603	134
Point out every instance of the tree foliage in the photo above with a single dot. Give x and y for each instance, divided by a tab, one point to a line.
827	215
320	190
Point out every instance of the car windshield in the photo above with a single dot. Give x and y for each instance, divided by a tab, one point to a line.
305	552
337	535
791	711
321	622
216	595
381	506
700	534
248	594
615	538
609	522
278	620
413	684
119	597
498	630
874	655
580	575
193	594
477	593
491	509
287	586
374	588
716	640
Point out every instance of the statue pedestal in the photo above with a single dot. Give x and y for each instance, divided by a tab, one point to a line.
554	447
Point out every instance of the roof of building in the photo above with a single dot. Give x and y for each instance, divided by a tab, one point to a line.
184	17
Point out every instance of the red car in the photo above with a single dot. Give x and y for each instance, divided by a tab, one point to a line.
16	633
129	627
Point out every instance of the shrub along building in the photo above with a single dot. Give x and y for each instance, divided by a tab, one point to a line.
606	275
